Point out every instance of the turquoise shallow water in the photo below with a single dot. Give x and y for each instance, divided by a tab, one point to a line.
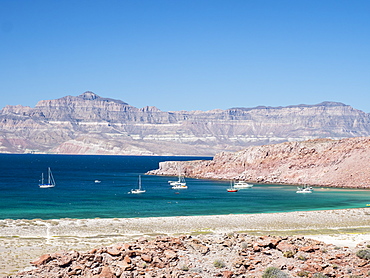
77	196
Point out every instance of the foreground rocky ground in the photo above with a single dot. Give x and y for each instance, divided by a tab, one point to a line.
227	255
22	241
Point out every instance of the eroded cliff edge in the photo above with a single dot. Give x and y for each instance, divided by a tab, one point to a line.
320	162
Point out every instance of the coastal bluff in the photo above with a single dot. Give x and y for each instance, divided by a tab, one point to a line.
319	162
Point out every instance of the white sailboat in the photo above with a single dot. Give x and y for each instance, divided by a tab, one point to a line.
51	181
304	189
138	190
180	183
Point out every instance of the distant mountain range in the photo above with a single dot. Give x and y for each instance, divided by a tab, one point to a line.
90	124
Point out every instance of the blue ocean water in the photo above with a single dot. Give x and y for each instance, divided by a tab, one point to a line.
77	196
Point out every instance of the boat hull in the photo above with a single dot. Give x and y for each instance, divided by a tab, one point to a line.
46	185
242	184
137	191
303	192
179	187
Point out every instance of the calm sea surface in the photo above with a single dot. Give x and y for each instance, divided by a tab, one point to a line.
76	195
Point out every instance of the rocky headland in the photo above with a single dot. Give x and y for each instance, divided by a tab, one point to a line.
90	124
320	162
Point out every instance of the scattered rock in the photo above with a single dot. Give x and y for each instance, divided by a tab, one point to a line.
42	260
106	273
240	255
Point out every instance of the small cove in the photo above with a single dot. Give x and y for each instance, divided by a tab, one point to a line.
76	195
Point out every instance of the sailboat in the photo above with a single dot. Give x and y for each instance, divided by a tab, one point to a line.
232	188
304	189
51	181
180	183
138	190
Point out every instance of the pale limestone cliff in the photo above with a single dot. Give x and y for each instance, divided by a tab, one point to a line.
90	124
320	162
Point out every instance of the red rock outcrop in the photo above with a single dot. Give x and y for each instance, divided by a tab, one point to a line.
232	255
320	162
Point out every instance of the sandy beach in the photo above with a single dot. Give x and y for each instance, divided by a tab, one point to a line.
22	241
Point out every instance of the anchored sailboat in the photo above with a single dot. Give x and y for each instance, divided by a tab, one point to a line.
304	189
51	181
138	190
180	183
232	188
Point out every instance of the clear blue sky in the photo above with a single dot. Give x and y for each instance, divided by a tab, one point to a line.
187	54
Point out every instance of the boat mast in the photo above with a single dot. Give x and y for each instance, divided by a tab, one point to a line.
179	169
49	175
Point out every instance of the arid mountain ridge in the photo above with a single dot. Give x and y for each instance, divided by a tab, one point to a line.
90	124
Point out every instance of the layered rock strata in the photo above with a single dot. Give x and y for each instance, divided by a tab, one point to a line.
320	162
232	255
90	124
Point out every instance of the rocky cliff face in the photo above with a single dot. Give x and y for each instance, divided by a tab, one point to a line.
89	124
320	162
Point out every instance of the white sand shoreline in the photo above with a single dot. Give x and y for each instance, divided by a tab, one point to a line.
24	240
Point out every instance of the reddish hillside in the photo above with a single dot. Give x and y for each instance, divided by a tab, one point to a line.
321	162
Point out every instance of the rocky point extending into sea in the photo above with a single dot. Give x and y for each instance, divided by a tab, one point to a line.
319	162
